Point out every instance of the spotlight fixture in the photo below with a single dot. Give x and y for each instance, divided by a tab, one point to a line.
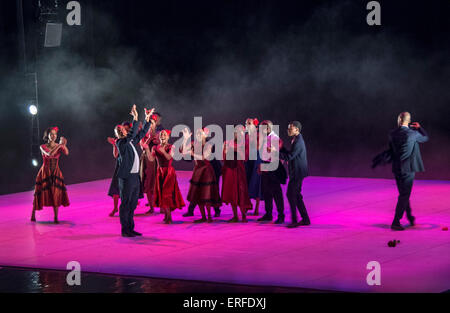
34	162
33	109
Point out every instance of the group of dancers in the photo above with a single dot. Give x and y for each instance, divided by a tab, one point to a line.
153	174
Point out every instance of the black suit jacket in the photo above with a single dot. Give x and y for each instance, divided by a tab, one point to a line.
126	152
296	157
404	144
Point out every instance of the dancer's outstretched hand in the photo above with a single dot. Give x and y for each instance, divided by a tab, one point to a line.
134	112
148	114
186	133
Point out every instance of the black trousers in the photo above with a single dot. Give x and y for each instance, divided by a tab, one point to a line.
404	186
295	198
129	194
271	191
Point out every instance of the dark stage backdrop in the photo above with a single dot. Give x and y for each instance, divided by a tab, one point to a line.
314	61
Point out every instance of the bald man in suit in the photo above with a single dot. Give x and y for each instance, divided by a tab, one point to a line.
406	161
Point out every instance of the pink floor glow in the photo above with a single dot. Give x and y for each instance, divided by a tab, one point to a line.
350	227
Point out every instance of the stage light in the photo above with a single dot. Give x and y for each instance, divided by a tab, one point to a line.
34	162
33	109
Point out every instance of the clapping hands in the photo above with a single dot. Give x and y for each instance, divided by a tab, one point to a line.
111	140
63	141
186	133
134	112
148	114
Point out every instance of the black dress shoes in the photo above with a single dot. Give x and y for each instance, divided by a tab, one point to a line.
397	227
412	221
128	235
136	233
279	220
297	224
265	218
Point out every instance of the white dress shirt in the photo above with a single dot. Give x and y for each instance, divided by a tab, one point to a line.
268	142
135	168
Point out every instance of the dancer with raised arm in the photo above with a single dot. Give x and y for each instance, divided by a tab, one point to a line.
50	189
406	161
148	166
167	194
113	190
128	173
204	187
217	166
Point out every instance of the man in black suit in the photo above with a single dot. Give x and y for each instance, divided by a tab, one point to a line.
271	180
406	161
298	170
128	172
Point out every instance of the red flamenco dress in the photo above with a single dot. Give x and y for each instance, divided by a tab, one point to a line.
167	194
234	183
147	167
50	189
204	187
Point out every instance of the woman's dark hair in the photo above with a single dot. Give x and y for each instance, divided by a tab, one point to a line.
46	133
129	124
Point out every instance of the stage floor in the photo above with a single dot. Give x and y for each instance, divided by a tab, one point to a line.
350	226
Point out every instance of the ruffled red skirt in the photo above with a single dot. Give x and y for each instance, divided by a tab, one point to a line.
167	193
204	189
50	189
148	174
234	186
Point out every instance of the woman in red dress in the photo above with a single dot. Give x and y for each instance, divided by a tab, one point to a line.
148	166
114	185
204	187
50	189
234	181
167	195
252	166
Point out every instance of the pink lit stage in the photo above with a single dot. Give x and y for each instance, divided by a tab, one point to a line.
350	227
